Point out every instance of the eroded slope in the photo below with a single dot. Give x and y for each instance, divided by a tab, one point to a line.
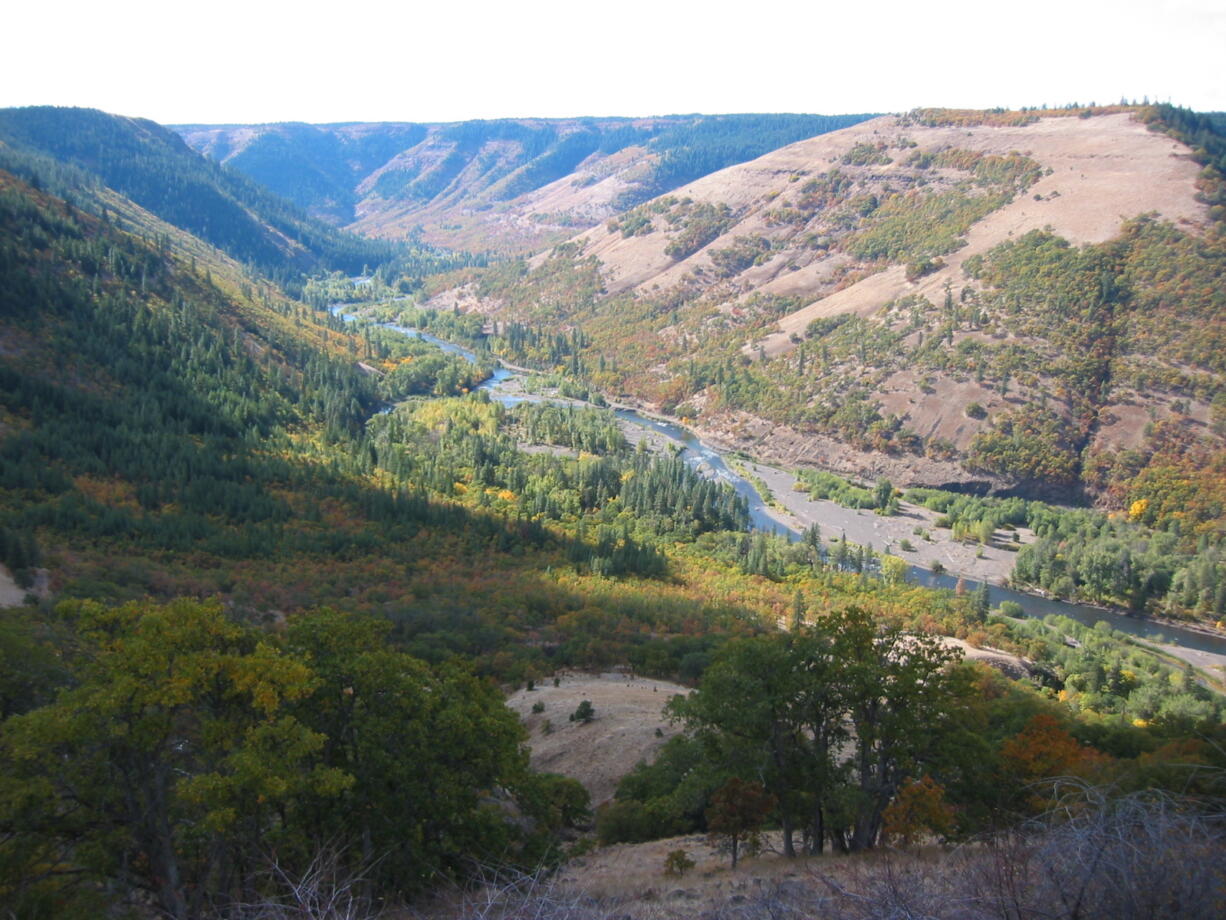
939	297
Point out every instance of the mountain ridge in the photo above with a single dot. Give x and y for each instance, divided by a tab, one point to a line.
508	184
153	167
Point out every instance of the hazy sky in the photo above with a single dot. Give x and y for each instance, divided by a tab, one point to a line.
242	61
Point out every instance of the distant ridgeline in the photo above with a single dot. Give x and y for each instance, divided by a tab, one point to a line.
79	149
390	176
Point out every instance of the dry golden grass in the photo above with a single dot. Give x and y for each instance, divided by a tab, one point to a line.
629	726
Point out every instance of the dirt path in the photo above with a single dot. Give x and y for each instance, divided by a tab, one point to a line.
10	594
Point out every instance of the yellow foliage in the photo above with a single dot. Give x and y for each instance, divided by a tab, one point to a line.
1138	508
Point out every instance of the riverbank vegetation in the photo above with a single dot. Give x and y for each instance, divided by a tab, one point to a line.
1141	561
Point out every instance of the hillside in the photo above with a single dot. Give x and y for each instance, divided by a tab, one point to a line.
629	726
81	151
507	185
1015	300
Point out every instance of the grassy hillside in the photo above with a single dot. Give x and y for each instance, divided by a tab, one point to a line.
915	297
504	184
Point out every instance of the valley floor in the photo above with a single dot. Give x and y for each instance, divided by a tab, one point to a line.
969	560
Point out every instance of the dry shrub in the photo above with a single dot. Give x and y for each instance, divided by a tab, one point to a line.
509	894
1145	856
325	890
1140	856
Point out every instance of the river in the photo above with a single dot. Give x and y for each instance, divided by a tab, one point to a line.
710	462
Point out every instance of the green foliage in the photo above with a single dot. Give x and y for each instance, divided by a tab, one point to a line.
827	486
150	165
627	822
1081	554
912	226
560	160
187	744
31	670
716	141
430	372
667	797
1105	675
593	432
792	709
677	862
583	713
865	154
738	810
1206	135
215	438
697	224
1031	445
1084	555
744	252
438	737
175	748
560	803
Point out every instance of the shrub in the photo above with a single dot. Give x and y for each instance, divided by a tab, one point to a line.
677	862
584	712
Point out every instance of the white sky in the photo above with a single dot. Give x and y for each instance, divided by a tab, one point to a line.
248	61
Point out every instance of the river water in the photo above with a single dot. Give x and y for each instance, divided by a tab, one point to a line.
710	462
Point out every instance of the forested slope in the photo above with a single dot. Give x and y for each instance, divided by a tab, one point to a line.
153	167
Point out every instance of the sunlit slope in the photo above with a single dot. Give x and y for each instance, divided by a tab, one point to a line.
927	297
507	185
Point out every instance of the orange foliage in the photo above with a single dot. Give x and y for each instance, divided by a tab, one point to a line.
919	808
113	492
1045	750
